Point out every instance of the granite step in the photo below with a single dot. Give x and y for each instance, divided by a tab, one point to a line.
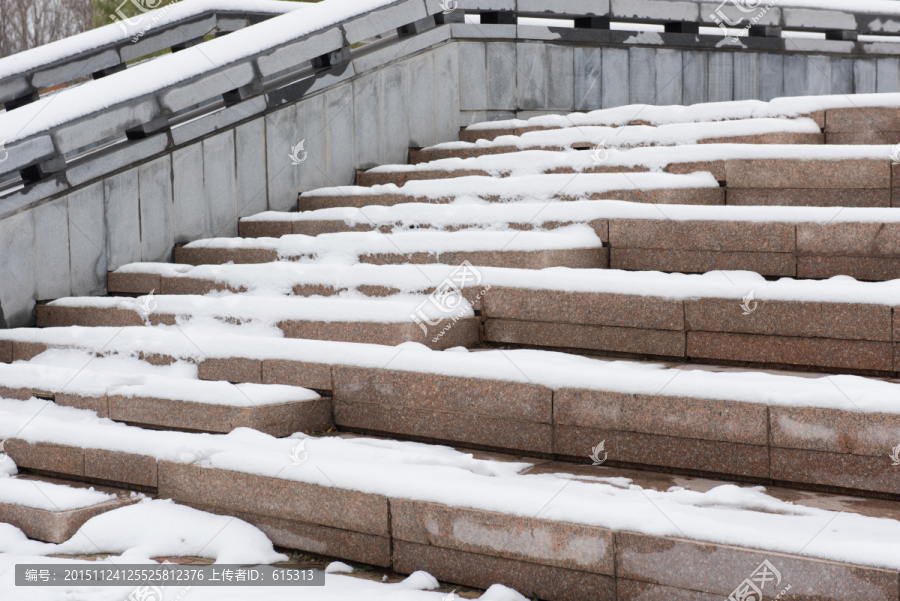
620	518
129	391
844	176
740	131
660	188
812	430
52	511
805	242
572	246
385	321
844	119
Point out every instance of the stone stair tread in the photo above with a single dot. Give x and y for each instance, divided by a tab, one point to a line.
375	492
377	320
165	397
745	131
51	511
872	107
574	246
750	166
643	187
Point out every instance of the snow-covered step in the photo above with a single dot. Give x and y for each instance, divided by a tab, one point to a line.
862	116
817	242
457	516
572	246
388	321
663	188
410	216
798	175
128	390
50	511
729	421
586	137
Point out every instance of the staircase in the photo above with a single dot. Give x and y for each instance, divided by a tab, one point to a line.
655	315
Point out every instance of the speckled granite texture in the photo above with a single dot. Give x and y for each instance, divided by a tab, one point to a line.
718	569
55	526
798	173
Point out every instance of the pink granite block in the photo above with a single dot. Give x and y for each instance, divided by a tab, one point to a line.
717	168
331	226
691	455
287	418
26	351
444	426
50	316
494	398
836	470
578	258
55	526
98	404
297	373
809	197
798	173
132	283
584	308
264	229
664	343
703	261
446	334
119	467
369	178
850	321
865	137
634	590
720	236
20	394
680	417
312	538
876	269
273	497
190	285
863	355
896	321
46	457
849	239
481	571
179	415
220	256
867	119
834	431
550	543
719	569
235	369
6	351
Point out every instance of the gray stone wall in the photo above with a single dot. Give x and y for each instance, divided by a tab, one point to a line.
556	78
198	190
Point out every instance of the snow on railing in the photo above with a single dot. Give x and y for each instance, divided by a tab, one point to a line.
105	50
